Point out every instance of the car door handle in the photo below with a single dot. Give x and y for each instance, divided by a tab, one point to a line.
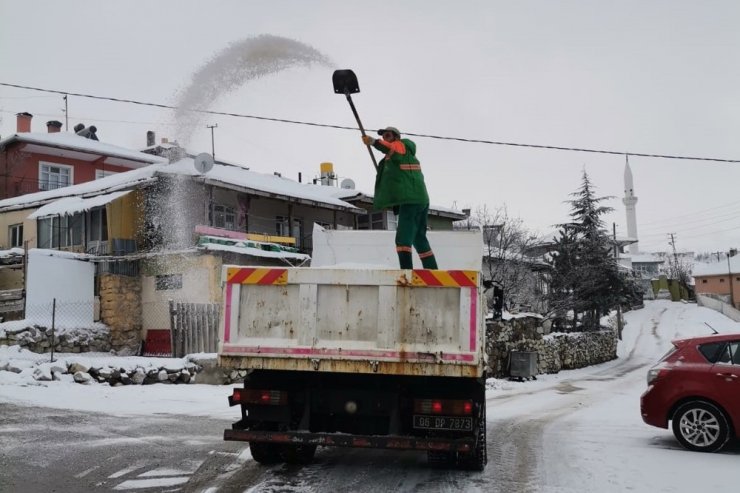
727	375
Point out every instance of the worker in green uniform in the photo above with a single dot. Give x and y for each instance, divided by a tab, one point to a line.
399	185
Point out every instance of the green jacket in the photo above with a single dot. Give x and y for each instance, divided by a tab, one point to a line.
399	179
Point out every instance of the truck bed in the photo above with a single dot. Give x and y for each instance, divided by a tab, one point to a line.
342	320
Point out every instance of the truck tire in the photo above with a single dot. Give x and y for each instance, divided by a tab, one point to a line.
476	459
266	453
298	454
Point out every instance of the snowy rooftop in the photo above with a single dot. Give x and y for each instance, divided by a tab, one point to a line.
73	142
352	194
260	183
72	205
644	258
717	268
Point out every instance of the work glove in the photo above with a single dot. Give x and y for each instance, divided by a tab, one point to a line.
367	140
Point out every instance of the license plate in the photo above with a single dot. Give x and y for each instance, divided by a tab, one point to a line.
443	423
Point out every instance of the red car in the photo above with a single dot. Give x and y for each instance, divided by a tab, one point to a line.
696	386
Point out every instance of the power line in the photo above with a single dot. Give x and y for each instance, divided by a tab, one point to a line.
341	127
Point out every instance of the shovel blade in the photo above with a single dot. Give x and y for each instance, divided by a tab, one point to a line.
345	82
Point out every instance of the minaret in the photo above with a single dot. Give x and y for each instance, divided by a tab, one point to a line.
629	201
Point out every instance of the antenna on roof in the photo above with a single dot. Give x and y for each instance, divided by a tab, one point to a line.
203	162
711	328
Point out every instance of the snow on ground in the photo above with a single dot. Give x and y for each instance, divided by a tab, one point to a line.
576	431
581	430
131	400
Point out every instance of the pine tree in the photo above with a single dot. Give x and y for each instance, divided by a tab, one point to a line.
585	277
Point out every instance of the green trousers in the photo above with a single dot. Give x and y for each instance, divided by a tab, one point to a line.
412	231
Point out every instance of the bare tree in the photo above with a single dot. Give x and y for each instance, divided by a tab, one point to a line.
506	264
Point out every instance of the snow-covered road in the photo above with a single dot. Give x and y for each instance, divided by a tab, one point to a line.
577	431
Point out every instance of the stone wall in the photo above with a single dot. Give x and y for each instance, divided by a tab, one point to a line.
39	339
557	351
120	310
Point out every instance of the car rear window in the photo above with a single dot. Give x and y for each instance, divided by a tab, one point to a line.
712	351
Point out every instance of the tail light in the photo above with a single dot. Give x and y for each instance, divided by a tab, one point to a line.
261	397
656	373
453	407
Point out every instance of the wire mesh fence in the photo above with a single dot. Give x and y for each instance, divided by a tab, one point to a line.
68	327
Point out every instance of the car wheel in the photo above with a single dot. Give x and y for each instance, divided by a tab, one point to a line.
701	426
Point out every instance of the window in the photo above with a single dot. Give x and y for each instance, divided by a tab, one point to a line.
377	220
713	351
60	231
703	281
735	351
168	282
721	279
223	217
101	173
15	235
281	229
53	176
97	225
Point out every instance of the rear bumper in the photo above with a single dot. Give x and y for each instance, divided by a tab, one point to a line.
356	441
652	408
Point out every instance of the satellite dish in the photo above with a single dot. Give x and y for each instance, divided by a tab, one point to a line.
203	162
347	184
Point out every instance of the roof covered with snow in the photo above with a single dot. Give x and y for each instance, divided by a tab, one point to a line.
72	205
73	142
717	268
350	194
644	258
220	175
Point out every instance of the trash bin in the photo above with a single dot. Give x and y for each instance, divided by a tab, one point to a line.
523	364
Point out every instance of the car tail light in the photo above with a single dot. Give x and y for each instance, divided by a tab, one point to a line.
443	406
656	373
263	397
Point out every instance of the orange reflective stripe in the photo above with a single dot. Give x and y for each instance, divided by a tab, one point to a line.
410	167
403	248
426	254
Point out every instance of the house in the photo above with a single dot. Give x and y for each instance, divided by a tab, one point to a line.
32	162
719	279
438	219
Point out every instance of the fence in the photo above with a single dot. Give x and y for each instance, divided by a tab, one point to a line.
60	326
717	305
193	328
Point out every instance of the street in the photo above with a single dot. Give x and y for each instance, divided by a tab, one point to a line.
575	431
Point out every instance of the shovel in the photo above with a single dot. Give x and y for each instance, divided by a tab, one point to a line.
345	82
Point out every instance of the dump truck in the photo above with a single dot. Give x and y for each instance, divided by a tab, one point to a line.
353	352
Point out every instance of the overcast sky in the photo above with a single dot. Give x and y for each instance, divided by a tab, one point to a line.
639	76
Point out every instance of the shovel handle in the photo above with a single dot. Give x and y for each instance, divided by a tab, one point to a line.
362	129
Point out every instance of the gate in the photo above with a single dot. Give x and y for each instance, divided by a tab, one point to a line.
193	328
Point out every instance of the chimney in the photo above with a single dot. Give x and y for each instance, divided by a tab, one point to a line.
24	122
150	138
53	126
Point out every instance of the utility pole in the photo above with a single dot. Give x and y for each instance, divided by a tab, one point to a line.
619	302
213	142
729	273
675	255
